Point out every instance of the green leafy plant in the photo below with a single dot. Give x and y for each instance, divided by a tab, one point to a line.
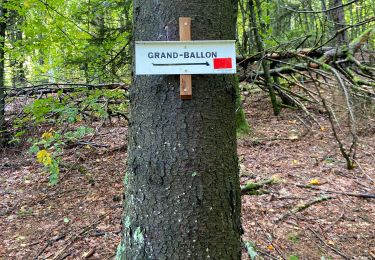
64	110
47	151
49	147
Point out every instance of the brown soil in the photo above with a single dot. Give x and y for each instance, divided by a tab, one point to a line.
81	216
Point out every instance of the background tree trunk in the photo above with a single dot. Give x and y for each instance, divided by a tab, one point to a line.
338	20
2	75
182	194
260	47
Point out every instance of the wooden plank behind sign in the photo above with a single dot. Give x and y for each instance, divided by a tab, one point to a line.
185	29
185	80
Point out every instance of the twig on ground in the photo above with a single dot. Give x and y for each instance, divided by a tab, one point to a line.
335	222
363	172
49	243
255	188
365	187
302	207
259	140
330	247
92	144
269	238
359	195
287	198
75	237
120	148
89	253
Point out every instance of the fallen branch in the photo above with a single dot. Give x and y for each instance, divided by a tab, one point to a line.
71	145
274	72
49	243
348	155
255	188
302	207
49	88
317	57
359	195
319	11
280	55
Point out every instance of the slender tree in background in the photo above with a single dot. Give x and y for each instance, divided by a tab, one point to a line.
3	19
337	16
182	195
260	47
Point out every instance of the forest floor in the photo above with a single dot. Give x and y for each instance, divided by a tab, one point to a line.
80	217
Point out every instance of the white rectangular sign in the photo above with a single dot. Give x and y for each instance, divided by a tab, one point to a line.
185	57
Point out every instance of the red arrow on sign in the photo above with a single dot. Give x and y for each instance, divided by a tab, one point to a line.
222	63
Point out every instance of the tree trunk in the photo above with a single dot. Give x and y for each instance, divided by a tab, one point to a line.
260	47
245	37
2	76
182	193
338	20
15	37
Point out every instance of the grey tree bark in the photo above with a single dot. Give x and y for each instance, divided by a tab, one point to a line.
182	193
3	11
338	19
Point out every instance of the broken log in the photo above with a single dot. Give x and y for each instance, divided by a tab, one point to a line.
51	88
